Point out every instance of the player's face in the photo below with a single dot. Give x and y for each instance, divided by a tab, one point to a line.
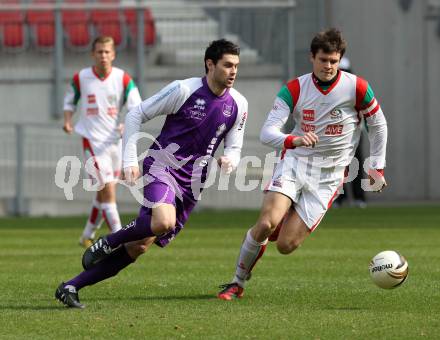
224	72
104	54
325	65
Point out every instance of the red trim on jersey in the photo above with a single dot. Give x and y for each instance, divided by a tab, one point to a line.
295	90
332	86
372	172
76	81
361	90
126	80
372	112
98	76
329	204
88	146
283	153
288	142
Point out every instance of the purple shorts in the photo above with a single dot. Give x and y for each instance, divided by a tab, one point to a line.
160	192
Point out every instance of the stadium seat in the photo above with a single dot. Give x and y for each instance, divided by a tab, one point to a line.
13	29
149	26
110	22
76	27
42	26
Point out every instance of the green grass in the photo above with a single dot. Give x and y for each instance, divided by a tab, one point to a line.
322	291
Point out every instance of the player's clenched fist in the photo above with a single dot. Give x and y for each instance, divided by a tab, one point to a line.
309	139
131	174
377	180
225	164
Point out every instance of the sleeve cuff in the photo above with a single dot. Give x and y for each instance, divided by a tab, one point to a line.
381	172
288	142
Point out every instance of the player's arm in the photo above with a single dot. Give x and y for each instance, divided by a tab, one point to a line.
233	142
71	99
271	132
377	135
166	101
132	97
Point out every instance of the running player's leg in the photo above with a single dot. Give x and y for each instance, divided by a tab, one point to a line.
274	208
107	198
293	232
93	223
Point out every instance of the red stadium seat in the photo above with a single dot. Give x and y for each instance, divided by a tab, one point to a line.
13	29
149	26
42	25
76	27
109	22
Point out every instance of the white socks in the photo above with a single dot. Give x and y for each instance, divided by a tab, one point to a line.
111	216
250	252
93	222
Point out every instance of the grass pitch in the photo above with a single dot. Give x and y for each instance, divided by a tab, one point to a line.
321	291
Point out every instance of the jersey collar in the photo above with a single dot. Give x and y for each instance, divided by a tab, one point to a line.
332	83
98	76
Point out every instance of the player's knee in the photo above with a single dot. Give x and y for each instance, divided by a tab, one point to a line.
286	247
165	225
265	225
135	250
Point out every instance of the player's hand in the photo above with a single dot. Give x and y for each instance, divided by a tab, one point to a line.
377	180
225	164
121	127
131	174
68	127
309	139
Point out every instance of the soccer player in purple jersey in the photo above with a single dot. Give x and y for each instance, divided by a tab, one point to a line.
201	112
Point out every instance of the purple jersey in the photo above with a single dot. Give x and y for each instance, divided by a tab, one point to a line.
197	121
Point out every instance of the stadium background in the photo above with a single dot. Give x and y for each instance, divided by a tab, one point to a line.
394	44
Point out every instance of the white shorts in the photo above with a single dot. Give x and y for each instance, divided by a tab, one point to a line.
312	189
103	161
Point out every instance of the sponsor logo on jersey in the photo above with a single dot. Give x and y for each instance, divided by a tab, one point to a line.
196	114
242	121
227	110
200	104
220	130
309	115
336	114
277	182
197	111
91	99
92	111
334	129
307	127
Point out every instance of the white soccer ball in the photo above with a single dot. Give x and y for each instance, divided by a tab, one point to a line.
388	269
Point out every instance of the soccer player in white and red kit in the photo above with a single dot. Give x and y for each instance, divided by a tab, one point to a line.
99	93
327	106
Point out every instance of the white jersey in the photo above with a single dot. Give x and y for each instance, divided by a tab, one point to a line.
334	114
100	102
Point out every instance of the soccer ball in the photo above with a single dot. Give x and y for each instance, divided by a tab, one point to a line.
388	269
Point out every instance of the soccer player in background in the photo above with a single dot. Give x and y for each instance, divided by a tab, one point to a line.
326	106
100	92
201	113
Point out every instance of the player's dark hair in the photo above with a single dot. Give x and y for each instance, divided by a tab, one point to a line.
328	41
218	48
103	40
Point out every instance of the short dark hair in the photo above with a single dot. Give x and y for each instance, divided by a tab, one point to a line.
218	48
328	41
